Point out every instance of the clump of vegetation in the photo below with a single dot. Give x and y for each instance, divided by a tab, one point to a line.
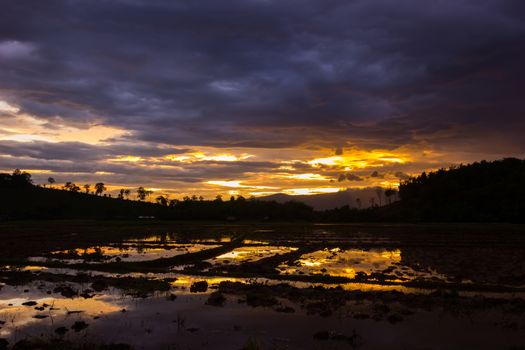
216	299
199	287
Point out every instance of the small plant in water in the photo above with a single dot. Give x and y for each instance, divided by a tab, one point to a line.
181	322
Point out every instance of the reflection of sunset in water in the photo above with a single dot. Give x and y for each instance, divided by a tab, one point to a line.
183	283
17	315
131	252
33	268
346	263
244	254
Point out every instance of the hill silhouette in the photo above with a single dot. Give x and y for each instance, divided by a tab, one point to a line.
482	191
22	200
479	192
353	197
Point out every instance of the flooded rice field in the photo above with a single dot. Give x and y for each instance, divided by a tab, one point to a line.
122	252
245	287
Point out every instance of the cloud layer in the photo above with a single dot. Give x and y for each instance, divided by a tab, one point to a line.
280	80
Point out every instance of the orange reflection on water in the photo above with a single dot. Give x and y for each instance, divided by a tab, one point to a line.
16	315
184	282
252	253
135	252
346	263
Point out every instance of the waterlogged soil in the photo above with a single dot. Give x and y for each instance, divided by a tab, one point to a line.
236	286
141	251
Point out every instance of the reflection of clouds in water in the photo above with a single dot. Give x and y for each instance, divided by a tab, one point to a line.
15	315
126	252
345	263
244	254
33	268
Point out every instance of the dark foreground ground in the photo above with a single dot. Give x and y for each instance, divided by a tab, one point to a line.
163	285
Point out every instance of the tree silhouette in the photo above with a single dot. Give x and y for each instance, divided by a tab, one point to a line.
127	192
20	179
51	181
142	193
87	187
379	193
70	186
479	192
99	188
389	192
162	200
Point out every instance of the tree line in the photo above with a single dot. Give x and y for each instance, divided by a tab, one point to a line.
99	188
478	192
24	200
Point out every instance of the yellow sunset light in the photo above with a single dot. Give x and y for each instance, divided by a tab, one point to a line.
233	184
6	107
308	176
336	160
310	191
201	156
131	159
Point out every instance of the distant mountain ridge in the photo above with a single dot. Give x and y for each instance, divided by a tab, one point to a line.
326	201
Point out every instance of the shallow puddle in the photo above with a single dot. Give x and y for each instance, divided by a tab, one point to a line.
249	254
353	263
123	252
181	320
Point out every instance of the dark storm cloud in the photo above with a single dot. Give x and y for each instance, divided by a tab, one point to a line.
401	175
81	152
349	177
81	158
264	73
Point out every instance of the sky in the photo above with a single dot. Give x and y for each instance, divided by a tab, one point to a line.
255	97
